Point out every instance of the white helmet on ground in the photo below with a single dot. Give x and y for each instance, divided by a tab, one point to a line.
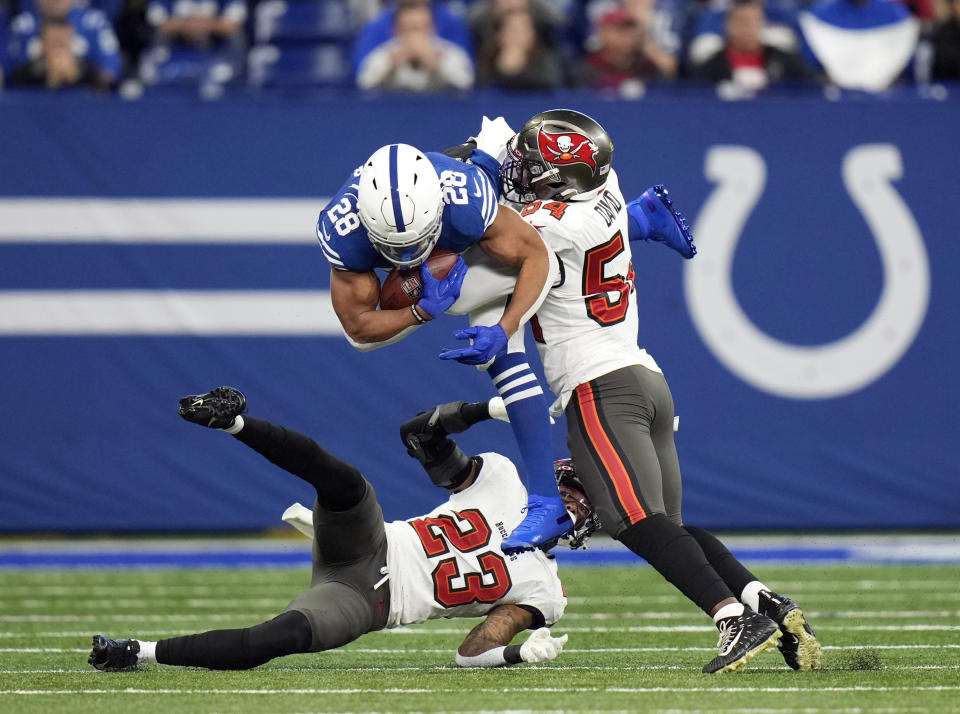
401	204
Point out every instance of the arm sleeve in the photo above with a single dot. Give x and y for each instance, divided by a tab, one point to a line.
496	657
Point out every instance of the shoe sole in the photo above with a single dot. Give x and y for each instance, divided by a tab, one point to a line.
739	664
808	646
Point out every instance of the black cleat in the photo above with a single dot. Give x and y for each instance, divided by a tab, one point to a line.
799	644
216	409
741	639
113	655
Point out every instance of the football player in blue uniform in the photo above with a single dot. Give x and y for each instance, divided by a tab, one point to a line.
392	212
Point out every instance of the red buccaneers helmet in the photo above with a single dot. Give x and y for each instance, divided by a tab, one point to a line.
558	154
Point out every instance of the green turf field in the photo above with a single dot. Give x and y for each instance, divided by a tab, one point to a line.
891	637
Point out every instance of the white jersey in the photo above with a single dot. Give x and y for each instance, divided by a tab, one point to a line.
448	563
587	325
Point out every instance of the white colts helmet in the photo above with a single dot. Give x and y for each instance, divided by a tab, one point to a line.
401	204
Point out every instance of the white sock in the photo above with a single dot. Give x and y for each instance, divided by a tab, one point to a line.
148	651
236	427
734	609
751	594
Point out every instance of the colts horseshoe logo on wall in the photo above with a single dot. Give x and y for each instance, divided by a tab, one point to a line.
831	369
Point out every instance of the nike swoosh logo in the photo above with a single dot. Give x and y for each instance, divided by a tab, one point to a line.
477	184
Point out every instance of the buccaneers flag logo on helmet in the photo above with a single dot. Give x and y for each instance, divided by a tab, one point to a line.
567	148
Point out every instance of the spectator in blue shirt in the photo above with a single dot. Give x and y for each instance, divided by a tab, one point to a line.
415	58
57	66
195	42
92	43
447	25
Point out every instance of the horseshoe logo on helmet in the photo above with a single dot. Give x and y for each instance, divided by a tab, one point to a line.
821	371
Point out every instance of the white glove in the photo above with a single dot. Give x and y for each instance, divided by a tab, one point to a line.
497	409
493	137
541	647
301	518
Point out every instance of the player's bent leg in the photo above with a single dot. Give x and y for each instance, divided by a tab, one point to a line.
733	572
676	556
486	283
339	613
546	518
339	485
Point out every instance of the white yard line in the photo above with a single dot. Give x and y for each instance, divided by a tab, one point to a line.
270	604
594	650
825	624
424	668
488	690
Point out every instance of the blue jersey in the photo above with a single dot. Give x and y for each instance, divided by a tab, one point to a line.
93	41
470	194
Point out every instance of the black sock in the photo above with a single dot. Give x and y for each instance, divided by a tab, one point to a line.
734	574
245	648
339	485
677	557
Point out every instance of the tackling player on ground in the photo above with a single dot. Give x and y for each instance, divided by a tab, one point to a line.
369	575
618	406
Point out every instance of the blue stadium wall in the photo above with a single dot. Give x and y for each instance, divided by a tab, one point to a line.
154	249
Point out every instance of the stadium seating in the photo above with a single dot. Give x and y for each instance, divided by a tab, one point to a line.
301	43
315	65
302	21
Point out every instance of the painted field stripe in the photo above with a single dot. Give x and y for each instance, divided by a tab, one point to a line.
149	590
161	312
592	650
224	605
28	598
490	690
428	630
549	667
140	220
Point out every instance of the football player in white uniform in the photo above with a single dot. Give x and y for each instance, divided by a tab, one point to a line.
619	409
370	575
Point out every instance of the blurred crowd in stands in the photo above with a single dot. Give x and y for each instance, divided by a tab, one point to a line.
619	47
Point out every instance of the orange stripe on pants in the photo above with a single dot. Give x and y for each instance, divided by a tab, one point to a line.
612	462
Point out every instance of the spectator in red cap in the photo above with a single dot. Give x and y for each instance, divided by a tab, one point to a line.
626	56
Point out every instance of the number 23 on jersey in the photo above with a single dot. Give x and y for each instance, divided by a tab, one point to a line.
465	531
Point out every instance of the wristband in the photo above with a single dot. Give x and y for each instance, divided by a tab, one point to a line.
416	314
511	653
496	657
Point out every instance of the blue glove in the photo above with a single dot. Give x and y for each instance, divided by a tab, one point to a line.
438	295
653	216
488	342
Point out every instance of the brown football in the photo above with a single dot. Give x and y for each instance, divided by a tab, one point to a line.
402	288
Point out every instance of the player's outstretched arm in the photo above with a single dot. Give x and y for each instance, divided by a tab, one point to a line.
355	297
513	242
488	644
